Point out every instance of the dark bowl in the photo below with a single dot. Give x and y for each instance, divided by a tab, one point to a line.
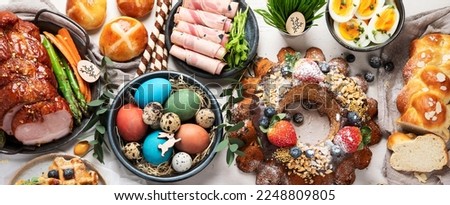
43	21
122	98
251	34
371	46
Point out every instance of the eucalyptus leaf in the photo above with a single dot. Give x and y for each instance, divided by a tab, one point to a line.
240	153
237	141
108	94
236	127
230	157
93	142
234	147
221	146
93	121
227	92
221	126
101	111
101	129
96	103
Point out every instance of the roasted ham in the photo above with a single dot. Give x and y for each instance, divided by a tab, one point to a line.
30	106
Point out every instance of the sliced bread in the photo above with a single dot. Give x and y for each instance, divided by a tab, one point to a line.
423	153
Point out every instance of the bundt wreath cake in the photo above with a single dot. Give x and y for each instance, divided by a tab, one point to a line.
277	95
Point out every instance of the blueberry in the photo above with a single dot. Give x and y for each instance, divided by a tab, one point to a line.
285	71
353	119
53	174
298	118
389	66
336	150
369	77
269	112
309	153
324	67
375	62
68	174
350	58
264	122
295	152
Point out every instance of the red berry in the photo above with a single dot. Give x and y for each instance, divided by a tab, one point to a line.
282	134
348	138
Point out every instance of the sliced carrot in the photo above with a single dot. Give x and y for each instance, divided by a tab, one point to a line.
72	62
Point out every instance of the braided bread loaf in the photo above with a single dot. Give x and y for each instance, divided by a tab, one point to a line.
423	101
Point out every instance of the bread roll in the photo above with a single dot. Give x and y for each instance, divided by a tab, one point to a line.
123	39
135	8
90	14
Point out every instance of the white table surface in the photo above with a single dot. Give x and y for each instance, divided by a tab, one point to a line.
270	41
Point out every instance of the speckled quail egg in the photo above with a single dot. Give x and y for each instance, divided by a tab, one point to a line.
181	162
170	122
152	114
205	118
132	151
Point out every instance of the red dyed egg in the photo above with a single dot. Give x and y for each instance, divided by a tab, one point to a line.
130	124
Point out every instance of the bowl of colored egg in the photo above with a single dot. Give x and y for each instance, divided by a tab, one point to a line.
163	126
365	25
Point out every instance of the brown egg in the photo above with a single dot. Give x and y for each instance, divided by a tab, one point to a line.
194	139
130	124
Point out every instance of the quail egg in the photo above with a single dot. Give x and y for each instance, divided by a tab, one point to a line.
383	24
342	10
170	122
368	8
132	151
353	32
205	118
152	113
181	162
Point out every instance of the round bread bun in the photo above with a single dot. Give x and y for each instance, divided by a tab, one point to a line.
123	39
90	14
135	8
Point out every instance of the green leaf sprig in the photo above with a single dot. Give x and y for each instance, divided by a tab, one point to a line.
278	12
366	134
101	107
237	47
234	95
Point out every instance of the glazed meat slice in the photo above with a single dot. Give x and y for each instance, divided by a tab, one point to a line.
30	106
42	122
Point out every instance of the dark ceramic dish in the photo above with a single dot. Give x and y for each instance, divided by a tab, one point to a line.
251	34
371	47
43	21
116	141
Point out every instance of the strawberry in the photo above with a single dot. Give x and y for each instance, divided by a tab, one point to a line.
282	134
348	138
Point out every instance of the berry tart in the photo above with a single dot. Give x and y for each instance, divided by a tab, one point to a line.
279	101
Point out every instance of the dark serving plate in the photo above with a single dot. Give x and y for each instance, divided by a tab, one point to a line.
122	98
251	34
51	22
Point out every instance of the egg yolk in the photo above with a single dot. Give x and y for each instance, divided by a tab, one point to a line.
386	20
367	7
350	30
342	7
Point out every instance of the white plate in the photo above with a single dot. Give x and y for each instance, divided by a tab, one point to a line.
39	165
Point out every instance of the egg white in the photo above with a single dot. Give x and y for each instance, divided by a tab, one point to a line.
346	17
381	37
363	37
377	7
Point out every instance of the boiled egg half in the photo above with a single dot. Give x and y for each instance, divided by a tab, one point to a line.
383	24
353	32
368	8
342	10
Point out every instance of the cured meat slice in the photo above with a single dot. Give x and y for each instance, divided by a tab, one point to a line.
213	35
205	63
42	122
215	21
227	8
198	45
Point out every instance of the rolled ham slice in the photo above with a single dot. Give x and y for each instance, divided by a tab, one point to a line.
215	21
198	45
222	7
213	35
200	61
